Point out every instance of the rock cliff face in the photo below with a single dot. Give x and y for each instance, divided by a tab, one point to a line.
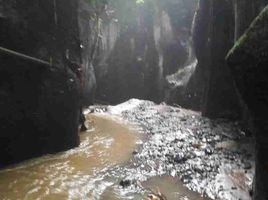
132	64
40	104
87	38
217	25
213	36
242	88
248	61
141	45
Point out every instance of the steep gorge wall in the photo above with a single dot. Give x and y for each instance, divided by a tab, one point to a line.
217	25
248	62
87	38
220	82
40	103
132	65
148	42
240	87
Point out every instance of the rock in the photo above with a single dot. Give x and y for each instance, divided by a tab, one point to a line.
180	158
234	188
247	166
208	151
175	56
177	148
135	152
125	183
248	60
213	37
39	107
38	120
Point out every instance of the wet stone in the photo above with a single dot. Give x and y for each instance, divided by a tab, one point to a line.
125	183
208	151
180	158
247	166
183	144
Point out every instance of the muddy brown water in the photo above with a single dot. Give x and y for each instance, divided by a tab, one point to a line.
78	173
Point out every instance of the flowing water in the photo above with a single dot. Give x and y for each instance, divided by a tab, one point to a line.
85	172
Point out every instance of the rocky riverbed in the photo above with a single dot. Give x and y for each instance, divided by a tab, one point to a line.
211	157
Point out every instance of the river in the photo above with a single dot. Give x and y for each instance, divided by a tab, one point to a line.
86	172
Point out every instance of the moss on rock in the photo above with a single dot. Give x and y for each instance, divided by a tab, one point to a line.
253	43
248	61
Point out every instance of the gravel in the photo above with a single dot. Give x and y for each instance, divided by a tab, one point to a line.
212	157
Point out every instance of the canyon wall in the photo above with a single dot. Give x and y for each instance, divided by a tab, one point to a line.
40	102
140	45
248	62
238	88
